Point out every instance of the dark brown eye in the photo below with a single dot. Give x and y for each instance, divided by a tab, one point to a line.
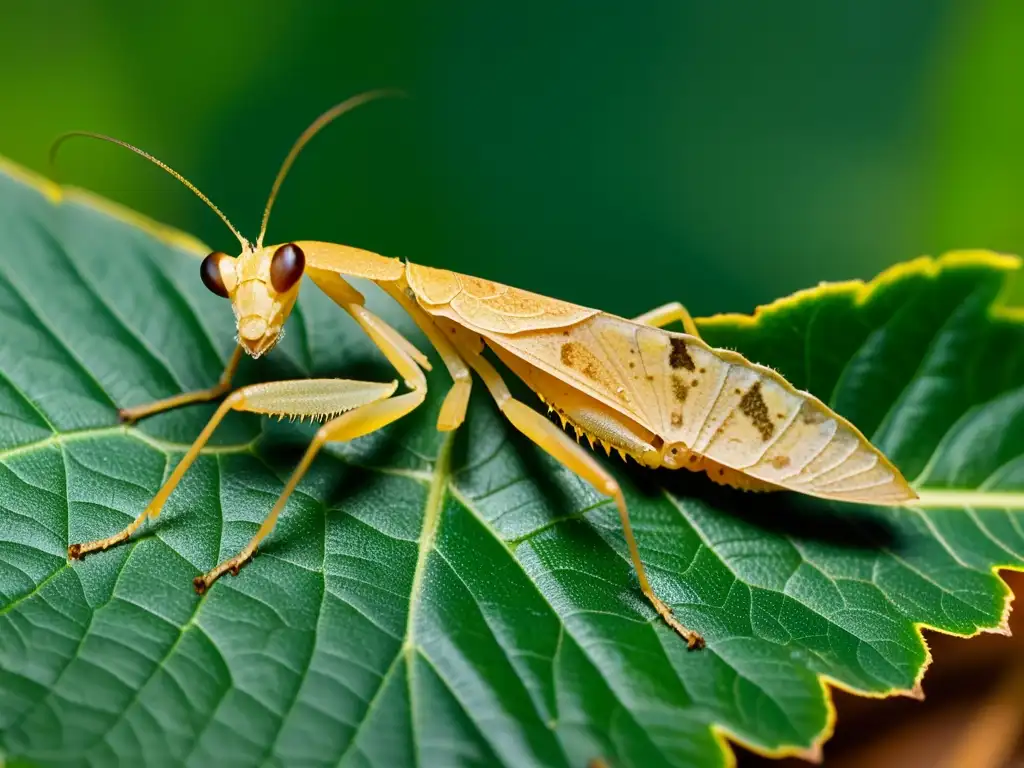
286	267
209	271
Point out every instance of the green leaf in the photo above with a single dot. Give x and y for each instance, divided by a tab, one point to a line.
462	600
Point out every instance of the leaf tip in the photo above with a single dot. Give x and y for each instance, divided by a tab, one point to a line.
812	755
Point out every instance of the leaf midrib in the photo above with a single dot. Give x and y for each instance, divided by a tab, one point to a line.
59	439
969	498
407	650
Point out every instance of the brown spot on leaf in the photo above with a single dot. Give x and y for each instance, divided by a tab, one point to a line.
679	389
679	356
780	462
752	406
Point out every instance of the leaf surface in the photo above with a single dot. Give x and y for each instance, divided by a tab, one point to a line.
461	599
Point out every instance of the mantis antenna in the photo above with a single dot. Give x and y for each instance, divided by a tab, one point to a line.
314	128
64	137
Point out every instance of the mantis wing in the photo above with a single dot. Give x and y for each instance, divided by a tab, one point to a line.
713	402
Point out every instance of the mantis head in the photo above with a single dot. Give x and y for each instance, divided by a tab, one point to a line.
262	284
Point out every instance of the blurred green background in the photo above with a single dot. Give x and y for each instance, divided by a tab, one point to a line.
619	155
615	154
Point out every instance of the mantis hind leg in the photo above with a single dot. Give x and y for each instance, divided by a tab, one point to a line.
661	316
562	448
128	415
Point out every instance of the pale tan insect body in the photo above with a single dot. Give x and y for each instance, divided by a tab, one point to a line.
665	399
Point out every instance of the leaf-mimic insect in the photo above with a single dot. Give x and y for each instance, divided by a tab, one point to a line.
665	399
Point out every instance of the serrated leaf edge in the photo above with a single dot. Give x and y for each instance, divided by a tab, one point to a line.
861	291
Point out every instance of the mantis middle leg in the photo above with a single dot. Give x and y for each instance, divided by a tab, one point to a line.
661	316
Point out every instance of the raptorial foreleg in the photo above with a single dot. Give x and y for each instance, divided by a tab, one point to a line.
313	398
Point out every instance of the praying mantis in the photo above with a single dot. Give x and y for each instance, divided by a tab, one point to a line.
664	399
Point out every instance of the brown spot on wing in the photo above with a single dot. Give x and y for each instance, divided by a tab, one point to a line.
679	355
752	406
578	357
810	415
780	462
679	389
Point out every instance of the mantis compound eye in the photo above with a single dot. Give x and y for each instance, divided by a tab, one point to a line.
286	267
209	271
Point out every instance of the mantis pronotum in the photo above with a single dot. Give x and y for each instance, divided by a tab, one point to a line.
665	399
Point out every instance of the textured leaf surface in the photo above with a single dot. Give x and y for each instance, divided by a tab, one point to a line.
432	600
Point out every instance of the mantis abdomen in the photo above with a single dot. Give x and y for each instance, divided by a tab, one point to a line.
666	399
